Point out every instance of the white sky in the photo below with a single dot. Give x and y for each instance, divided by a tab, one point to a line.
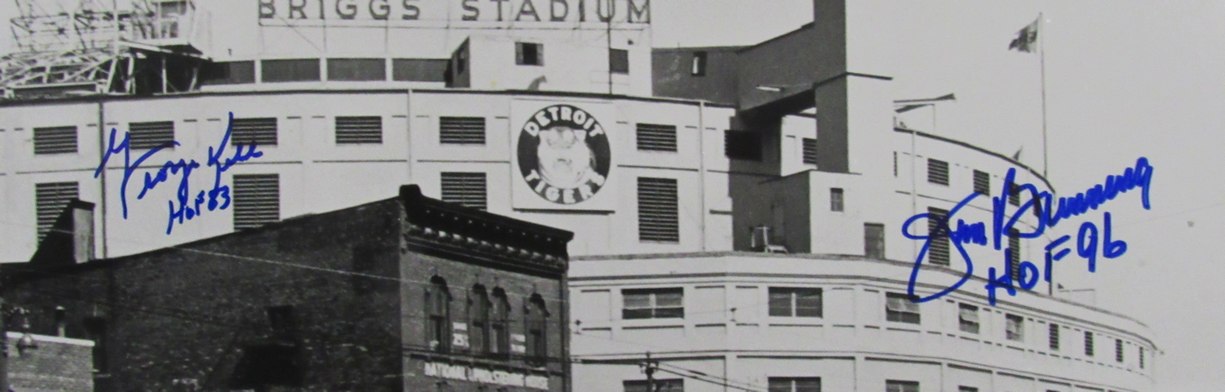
1125	78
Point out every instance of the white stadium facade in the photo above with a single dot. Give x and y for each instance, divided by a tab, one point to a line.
724	229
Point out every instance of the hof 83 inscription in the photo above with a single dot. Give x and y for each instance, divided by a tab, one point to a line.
564	154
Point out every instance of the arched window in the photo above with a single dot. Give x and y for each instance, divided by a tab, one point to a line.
536	316
499	335
438	311
478	320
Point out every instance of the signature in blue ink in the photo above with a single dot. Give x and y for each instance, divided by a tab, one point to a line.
1050	212
185	206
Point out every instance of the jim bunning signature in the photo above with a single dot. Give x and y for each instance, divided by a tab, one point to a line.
1091	242
187	204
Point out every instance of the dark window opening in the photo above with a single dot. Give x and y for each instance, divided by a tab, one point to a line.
937	229
658	211
697	66
299	70
619	61
527	53
835	199
438	313
537	316
744	145
795	302
652	303
874	241
357	69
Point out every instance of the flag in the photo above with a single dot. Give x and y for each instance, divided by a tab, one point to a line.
1026	38
1017	156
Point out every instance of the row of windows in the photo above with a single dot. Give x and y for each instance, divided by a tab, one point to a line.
489	318
309	70
1014	328
655	303
259	131
658	206
369	130
257	201
938	173
531	53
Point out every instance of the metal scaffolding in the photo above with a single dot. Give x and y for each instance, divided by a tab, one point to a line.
145	47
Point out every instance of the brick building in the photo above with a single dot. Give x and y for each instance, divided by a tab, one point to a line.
407	293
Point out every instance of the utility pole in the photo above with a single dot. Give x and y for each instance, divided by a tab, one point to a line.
649	367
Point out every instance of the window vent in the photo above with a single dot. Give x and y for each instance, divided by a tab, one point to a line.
258	131
657	210
810	152
467	189
461	130
359	130
257	200
55	140
656	137
146	135
937	172
50	201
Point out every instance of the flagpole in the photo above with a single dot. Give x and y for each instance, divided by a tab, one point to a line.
1042	70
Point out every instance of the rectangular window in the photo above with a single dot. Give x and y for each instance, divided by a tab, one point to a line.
982	183
1014	327
527	53
461	130
257	131
810	151
795	302
744	145
937	229
835	199
1014	195
96	330
1118	350
669	385
467	189
233	72
899	308
652	303
656	137
419	70
874	241
937	172
619	61
281	321
1014	251
658	218
55	140
257	200
50	199
146	135
357	70
964	388
298	70
359	130
697	66
1088	344
901	386
1053	339
793	384
967	318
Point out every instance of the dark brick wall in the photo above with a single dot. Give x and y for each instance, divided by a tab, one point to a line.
460	278
197	314
196	317
55	365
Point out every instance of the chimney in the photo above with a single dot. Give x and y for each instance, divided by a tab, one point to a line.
853	41
71	239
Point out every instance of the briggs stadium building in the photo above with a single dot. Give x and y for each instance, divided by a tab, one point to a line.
741	238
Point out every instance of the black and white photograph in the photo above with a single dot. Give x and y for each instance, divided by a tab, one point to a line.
611	195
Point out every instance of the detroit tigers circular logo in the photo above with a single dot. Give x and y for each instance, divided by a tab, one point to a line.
563	154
